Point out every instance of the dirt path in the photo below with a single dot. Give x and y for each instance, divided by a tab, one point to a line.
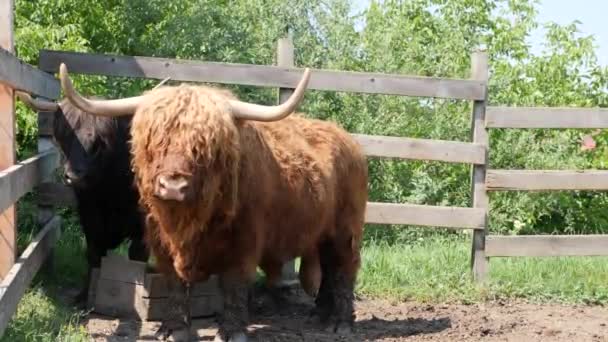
385	321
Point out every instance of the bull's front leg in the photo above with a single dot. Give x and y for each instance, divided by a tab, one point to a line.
177	320
235	317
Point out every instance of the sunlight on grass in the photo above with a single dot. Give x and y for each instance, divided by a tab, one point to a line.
438	270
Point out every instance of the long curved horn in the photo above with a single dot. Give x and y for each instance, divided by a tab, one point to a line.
117	107
39	105
162	82
250	111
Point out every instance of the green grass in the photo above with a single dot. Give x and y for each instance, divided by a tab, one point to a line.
398	265
437	270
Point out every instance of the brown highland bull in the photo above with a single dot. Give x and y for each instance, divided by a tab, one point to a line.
231	185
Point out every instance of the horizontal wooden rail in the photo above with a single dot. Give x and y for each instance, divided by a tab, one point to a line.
425	215
538	180
380	213
260	75
20	75
546	245
16	282
21	178
56	194
546	117
422	149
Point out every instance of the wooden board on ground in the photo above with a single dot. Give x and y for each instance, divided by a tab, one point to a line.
127	289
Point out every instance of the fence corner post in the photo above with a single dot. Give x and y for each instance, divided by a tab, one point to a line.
479	260
8	218
286	58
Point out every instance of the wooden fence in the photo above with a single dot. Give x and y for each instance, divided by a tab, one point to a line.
20	178
16	272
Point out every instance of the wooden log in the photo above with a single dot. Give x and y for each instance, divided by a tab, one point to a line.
259	75
479	261
422	149
546	117
119	268
547	245
546	180
21	178
8	223
425	215
22	76
17	280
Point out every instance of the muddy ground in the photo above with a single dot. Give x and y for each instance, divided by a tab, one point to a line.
379	320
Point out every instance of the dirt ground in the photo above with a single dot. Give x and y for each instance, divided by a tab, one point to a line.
386	321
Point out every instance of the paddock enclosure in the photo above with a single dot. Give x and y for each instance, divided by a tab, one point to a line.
20	177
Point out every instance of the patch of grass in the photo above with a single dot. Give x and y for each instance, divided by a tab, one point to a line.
437	270
42	317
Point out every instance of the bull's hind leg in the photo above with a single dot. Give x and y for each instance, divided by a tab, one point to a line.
340	262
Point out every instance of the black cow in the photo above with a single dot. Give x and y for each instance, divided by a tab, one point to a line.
96	165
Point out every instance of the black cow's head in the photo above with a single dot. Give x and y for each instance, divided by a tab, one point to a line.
87	142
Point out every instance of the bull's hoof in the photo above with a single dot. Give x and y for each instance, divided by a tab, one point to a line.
340	328
178	332
236	337
80	301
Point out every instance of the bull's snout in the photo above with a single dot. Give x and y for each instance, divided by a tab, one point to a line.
172	188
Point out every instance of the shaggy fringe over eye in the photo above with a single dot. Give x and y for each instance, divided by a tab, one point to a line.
192	121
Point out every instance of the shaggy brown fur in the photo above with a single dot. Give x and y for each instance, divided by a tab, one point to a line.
264	194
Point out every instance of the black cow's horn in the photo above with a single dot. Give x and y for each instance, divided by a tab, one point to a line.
117	107
39	105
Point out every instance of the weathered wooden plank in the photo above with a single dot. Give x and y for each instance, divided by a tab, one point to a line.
115	298
546	117
547	245
56	194
15	283
422	149
119	268
425	215
155	309
8	224
22	76
479	261
259	75
538	180
21	178
155	286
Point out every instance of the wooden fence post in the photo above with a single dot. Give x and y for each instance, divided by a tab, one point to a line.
45	211
8	222
285	58
479	261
